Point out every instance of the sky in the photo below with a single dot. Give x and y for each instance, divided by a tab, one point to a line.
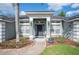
70	9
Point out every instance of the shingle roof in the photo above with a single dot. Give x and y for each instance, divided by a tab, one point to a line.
57	17
70	19
23	17
6	18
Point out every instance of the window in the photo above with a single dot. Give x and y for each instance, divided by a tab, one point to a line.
57	31
55	21
25	29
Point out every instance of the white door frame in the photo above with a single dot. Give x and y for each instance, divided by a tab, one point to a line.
31	18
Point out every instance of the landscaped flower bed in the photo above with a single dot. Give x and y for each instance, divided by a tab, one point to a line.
62	40
12	43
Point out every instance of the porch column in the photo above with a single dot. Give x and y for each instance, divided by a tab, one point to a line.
48	27
61	28
31	28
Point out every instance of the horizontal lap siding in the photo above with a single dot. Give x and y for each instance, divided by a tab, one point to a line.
9	30
2	31
76	31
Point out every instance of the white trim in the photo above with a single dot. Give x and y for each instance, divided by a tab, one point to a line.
31	28
44	13
48	27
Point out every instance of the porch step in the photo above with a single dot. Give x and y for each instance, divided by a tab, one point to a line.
40	39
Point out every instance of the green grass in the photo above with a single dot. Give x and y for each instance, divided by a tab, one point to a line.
61	50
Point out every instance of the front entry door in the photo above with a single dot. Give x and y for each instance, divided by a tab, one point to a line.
39	30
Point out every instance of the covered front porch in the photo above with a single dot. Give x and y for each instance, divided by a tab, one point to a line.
39	24
39	27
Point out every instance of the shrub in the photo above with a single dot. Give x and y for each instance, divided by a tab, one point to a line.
76	43
8	44
61	39
12	43
23	41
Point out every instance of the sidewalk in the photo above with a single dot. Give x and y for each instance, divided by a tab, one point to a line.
34	49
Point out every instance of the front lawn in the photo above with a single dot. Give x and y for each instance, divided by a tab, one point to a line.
61	49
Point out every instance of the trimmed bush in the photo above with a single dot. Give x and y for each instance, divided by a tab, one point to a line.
61	39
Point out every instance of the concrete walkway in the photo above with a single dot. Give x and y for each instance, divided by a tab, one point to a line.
34	49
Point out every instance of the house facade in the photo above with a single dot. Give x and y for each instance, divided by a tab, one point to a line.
43	24
40	24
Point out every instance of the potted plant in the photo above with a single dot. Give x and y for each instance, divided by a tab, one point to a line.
50	40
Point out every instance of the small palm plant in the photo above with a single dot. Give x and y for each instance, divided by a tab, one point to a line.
61	39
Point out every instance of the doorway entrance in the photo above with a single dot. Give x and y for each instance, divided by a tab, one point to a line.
40	28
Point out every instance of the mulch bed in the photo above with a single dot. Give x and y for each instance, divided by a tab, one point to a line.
11	44
67	41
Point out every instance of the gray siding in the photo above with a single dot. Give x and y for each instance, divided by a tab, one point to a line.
76	31
9	30
2	31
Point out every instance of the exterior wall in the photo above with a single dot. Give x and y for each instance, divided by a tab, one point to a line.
76	31
24	29
2	31
9	30
69	29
